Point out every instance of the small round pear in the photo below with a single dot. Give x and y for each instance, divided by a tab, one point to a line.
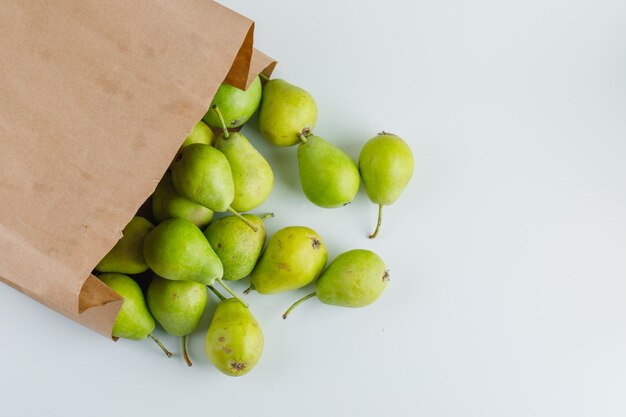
328	175
126	257
293	258
237	246
234	341
386	166
354	279
177	306
237	105
285	112
134	320
167	203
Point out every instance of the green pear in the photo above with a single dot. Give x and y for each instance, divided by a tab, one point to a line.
293	258
329	177
126	257
133	320
252	175
177	306
202	174
354	279
167	203
285	112
177	250
234	342
237	105
201	133
386	166
237	246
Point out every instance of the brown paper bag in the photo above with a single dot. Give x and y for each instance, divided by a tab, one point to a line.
96	99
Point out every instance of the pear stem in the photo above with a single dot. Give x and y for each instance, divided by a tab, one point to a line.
380	218
243	219
267	216
216	292
231	292
294	305
303	137
185	351
219	116
249	289
158	342
265	77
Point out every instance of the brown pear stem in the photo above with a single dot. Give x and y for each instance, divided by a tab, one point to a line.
380	218
219	116
185	351
294	305
158	342
249	289
243	219
231	292
216	292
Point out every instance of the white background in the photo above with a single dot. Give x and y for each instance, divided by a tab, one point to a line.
507	251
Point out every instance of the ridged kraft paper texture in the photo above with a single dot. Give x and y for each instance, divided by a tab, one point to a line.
96	98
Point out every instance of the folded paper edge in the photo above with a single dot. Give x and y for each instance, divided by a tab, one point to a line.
239	70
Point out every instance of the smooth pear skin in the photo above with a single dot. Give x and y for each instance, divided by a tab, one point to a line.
202	174
236	244
177	305
354	279
285	112
134	320
201	133
234	342
329	176
386	166
252	174
167	203
237	106
294	257
126	257
176	249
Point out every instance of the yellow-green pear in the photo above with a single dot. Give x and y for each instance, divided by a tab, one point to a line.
237	246
354	279
286	111
237	105
126	257
201	133
134	320
167	203
202	174
252	175
234	342
328	175
177	306
386	166
294	257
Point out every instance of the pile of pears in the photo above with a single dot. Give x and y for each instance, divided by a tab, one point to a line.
188	252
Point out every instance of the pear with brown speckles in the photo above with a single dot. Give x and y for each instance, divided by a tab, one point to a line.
354	279
234	342
293	258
